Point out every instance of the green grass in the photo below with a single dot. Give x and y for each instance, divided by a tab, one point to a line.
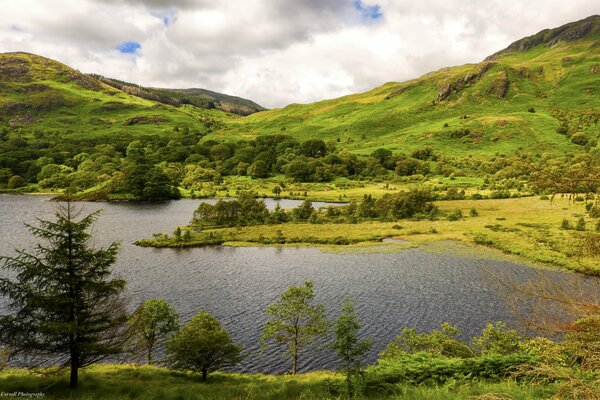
124	382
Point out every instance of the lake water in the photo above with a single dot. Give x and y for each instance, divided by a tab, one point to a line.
412	288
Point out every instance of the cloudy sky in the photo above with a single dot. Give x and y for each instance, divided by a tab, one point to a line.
274	52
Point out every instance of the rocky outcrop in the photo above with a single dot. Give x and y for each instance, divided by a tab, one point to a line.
550	37
499	85
445	90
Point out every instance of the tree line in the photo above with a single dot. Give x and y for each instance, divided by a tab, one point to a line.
151	167
249	210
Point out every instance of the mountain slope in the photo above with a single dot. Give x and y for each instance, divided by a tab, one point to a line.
43	95
202	98
541	94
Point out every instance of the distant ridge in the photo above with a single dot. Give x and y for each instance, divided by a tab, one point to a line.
198	97
586	27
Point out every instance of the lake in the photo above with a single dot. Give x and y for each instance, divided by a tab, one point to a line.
411	288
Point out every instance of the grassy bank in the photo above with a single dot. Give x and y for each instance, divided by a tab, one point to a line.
529	228
117	382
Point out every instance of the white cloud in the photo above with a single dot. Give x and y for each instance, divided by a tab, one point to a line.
279	51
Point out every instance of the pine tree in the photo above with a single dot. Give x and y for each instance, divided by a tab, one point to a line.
67	310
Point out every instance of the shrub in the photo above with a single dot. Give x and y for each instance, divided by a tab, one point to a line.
565	224
580	224
455	215
531	110
421	368
473	212
579	139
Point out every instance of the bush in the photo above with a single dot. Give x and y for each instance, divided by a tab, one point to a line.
500	194
565	224
455	215
579	139
16	182
473	212
531	110
580	224
421	368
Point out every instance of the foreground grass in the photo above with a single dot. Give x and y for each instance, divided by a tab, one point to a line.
143	382
529	228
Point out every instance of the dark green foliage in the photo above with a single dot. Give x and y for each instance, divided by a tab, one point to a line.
202	345
152	323
258	169
246	210
295	322
313	148
455	215
15	182
177	234
565	224
580	226
473	212
579	138
304	211
64	307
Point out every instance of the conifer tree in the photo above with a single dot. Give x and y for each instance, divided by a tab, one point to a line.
64	307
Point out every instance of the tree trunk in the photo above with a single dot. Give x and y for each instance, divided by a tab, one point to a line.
74	372
204	373
295	361
349	383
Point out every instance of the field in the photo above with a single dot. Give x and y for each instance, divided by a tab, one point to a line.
121	382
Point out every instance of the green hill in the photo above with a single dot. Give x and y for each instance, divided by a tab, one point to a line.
541	94
42	95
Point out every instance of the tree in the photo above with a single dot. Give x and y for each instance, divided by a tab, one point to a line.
295	321
202	345
67	307
349	347
158	186
152	322
258	169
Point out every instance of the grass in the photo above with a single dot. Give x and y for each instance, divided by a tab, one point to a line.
528	228
124	382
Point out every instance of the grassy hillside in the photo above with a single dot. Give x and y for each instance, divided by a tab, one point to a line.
42	95
514	100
